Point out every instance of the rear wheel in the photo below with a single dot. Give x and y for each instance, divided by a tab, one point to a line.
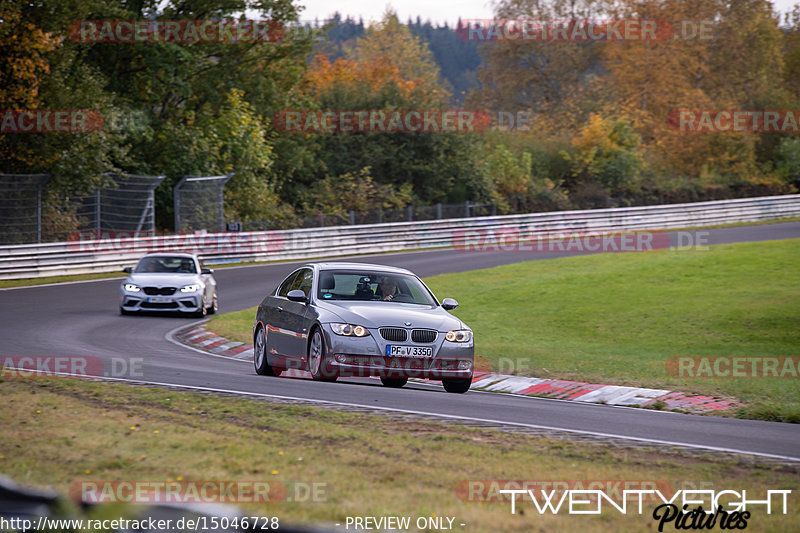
394	383
457	386
260	361
317	358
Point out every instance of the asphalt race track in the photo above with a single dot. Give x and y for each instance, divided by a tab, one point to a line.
82	319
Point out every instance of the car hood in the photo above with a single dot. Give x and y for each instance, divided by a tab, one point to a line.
392	314
157	279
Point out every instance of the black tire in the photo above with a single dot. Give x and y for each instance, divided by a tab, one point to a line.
318	358
260	360
457	386
214	305
123	312
394	383
202	312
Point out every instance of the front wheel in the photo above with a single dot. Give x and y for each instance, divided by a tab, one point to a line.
214	305
394	383
457	386
260	361
317	358
202	311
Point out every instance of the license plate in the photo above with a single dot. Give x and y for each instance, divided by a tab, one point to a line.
409	351
157	300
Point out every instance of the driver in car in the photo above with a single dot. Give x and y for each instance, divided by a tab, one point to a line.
186	266
388	289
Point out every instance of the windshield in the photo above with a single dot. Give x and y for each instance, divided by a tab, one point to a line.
172	265
373	286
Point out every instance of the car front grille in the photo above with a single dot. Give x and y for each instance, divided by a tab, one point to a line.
394	334
424	335
165	291
160	305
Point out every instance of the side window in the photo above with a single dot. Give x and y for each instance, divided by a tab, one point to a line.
303	281
286	286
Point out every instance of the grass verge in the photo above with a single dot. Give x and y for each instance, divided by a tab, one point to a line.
618	318
58	431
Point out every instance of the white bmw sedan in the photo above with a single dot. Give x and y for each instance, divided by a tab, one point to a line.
169	282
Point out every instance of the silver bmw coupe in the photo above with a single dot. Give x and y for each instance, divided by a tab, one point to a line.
355	319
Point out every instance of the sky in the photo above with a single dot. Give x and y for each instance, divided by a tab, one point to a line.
438	11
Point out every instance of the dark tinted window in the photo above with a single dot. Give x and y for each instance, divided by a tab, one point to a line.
286	286
303	281
365	285
173	265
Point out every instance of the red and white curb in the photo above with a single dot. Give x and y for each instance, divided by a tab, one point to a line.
577	391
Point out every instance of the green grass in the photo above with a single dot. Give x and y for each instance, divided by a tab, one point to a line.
59	431
618	318
27	282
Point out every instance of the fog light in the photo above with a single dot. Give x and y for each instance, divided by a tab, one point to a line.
464	365
341	358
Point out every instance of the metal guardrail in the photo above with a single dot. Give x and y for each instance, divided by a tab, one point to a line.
118	250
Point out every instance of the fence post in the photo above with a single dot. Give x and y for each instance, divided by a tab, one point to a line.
97	213
410	212
438	211
352	217
176	202
221	209
466	209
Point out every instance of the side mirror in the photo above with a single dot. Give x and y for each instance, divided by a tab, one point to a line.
128	270
207	271
297	295
448	304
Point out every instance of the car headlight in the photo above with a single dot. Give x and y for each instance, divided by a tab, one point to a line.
349	330
459	335
130	287
191	288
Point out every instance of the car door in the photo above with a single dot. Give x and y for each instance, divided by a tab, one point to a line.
295	316
277	344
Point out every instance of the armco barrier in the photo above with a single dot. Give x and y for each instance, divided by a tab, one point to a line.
117	251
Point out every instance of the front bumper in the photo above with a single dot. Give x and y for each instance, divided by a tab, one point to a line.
365	356
178	302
